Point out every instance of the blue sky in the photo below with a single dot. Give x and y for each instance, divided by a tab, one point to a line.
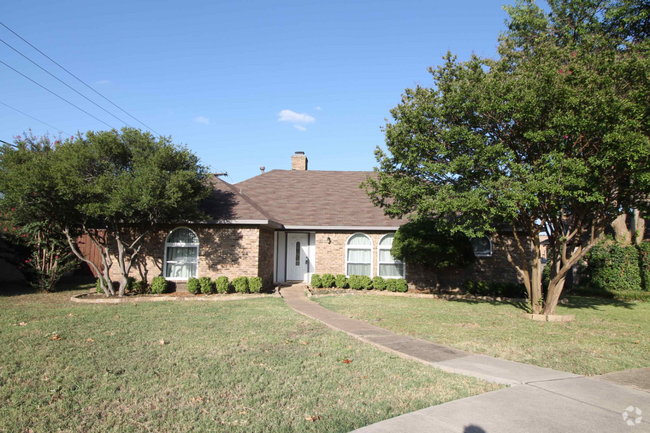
220	76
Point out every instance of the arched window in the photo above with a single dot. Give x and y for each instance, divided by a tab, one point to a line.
388	266
181	254
482	247
358	255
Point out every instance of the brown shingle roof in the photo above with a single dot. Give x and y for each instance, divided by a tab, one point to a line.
227	204
314	198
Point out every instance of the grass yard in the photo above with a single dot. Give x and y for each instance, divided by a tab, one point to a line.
252	365
606	336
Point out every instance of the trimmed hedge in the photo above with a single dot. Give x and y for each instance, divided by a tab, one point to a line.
355	282
207	286
506	290
193	286
401	285
223	285
241	284
327	280
365	282
614	267
159	285
341	281
644	263
255	284
391	285
140	288
378	283
316	281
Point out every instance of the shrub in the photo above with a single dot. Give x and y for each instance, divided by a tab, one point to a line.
401	286
355	282
391	285
130	282
365	282
379	283
255	284
241	284
613	266
644	262
327	280
98	285
207	286
497	289
158	285
193	286
341	281
140	288
223	284
316	281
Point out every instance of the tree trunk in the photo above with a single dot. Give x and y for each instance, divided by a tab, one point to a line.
104	282
536	277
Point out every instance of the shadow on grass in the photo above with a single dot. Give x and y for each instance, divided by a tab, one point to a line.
65	284
574	302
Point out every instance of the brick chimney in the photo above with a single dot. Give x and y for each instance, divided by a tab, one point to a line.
299	161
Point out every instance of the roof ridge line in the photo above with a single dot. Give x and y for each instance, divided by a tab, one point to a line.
249	200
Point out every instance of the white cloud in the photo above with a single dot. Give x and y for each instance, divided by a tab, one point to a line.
104	82
292	116
203	120
300	128
318	108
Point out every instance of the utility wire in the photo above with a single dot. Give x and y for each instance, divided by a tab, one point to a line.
64	83
25	114
79	79
58	96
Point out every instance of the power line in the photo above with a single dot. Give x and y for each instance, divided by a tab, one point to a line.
63	82
25	114
79	79
58	96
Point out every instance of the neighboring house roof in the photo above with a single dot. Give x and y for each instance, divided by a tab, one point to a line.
300	199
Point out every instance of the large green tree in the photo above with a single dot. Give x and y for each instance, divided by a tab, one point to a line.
122	184
550	136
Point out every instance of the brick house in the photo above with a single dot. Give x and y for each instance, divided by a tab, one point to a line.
286	225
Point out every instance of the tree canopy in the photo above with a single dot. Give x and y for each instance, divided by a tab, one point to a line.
551	136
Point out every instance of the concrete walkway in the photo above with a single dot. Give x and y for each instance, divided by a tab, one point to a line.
546	401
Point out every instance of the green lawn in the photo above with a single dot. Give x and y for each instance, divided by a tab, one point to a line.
607	335
252	365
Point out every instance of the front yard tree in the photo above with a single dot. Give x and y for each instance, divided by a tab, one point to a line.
552	136
122	184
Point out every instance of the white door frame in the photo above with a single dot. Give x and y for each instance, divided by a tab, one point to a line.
294	272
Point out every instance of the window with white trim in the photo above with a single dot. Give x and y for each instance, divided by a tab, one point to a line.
358	255
181	254
482	247
388	266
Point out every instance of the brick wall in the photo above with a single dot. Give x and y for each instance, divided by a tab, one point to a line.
265	265
229	251
330	258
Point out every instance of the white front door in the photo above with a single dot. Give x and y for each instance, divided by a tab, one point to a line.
297	256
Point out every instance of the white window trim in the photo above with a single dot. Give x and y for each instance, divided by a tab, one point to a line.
358	247
381	247
484	254
181	244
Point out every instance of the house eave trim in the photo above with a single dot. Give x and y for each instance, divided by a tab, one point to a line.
355	228
269	223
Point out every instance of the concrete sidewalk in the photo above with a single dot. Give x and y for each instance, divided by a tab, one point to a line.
547	401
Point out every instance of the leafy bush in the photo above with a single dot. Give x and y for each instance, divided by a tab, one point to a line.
379	283
497	289
644	262
223	285
140	288
193	286
207	286
255	284
391	285
613	267
316	281
158	285
241	284
341	281
327	280
401	285
355	282
365	282
130	282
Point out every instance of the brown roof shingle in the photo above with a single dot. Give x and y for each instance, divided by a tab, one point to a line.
313	198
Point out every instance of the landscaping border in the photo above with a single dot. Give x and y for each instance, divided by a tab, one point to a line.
166	298
446	297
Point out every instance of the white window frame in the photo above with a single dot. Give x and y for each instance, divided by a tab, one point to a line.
358	247
381	247
484	254
181	244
